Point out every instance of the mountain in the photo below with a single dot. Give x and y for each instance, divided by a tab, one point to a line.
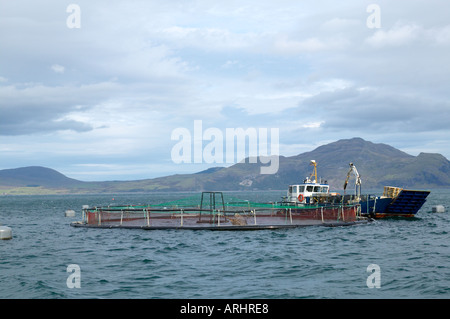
378	165
34	176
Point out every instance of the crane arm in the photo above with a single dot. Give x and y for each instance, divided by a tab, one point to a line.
355	172
346	180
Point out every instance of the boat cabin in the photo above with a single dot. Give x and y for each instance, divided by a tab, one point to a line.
310	188
303	193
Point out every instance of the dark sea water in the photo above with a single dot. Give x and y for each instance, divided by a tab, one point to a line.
413	255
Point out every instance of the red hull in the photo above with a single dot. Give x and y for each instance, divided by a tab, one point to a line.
180	218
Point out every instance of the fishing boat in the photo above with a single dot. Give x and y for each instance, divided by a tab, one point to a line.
395	201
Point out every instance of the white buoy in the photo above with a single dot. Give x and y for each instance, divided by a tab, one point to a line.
70	213
438	209
5	232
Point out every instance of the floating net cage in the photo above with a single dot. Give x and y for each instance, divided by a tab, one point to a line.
213	209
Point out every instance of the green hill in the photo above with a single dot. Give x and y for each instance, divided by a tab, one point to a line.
378	164
34	176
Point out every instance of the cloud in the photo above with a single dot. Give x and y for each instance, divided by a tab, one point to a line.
285	45
442	35
36	108
339	24
402	35
374	110
137	70
33	126
399	35
312	124
57	68
230	64
211	39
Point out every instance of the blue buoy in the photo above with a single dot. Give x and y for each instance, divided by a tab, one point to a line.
5	232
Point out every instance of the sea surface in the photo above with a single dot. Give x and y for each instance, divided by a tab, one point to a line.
413	255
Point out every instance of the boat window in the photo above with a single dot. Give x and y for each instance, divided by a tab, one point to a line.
309	188
294	189
324	189
317	189
302	189
290	189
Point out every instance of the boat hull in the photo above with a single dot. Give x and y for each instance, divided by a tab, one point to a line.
406	204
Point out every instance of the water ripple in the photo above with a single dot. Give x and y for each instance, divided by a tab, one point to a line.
293	263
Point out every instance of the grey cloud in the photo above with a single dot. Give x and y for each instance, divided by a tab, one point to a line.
38	108
380	109
31	126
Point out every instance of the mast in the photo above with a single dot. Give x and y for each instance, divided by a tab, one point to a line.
313	162
357	180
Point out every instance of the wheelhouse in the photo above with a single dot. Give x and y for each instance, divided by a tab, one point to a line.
309	190
303	192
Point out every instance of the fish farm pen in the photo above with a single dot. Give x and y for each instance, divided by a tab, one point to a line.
212	212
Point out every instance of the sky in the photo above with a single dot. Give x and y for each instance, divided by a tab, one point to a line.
98	89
